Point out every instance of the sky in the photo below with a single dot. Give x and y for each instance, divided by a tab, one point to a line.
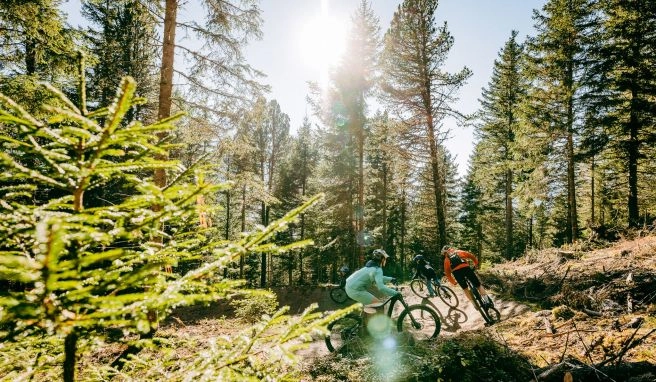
290	55
479	27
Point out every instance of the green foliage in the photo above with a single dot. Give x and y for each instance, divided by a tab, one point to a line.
252	307
79	270
264	351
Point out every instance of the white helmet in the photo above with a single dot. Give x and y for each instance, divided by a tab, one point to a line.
379	254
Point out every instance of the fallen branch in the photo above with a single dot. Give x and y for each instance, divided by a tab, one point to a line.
569	332
592	313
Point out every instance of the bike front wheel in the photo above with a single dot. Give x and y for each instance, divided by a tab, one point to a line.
493	315
420	321
447	295
338	295
343	331
419	288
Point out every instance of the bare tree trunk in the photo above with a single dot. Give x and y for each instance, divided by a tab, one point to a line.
386	244
30	56
166	75
402	244
571	180
70	356
243	228
438	182
633	149
592	192
302	251
509	215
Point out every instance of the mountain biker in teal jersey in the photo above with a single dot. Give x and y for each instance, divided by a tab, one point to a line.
359	283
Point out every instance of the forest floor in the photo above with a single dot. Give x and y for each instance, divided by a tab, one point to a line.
582	311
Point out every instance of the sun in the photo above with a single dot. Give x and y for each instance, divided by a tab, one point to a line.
323	40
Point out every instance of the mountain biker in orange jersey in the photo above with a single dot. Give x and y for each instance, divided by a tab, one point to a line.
456	268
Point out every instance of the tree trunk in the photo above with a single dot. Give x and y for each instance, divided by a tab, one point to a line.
509	215
227	224
571	191
402	244
301	253
633	155
70	356
571	180
592	192
243	228
438	182
30	56
386	244
360	208
166	76
263	259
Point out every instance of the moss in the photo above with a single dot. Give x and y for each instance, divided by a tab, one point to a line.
562	312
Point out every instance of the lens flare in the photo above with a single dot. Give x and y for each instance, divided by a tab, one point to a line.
380	326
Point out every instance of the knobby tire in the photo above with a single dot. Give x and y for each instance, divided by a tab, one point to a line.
427	319
338	295
343	331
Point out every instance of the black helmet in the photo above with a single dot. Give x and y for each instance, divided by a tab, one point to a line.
418	258
378	255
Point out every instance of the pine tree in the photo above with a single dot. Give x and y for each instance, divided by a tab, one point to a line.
35	45
557	63
121	38
471	235
418	89
622	78
294	185
354	81
34	38
500	121
93	270
218	80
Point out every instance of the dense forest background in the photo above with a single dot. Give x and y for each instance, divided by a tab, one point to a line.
564	136
125	195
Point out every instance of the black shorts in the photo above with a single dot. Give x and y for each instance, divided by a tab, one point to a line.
461	275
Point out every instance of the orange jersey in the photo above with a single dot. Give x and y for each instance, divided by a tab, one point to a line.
463	255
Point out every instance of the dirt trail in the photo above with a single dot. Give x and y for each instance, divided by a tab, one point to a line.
462	318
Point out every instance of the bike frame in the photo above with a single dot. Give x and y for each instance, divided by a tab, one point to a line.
392	301
485	312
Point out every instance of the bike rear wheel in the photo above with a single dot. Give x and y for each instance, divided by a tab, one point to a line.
419	288
343	331
420	321
447	295
338	295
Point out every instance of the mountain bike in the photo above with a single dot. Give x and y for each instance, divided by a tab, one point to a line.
447	295
420	321
490	314
338	294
